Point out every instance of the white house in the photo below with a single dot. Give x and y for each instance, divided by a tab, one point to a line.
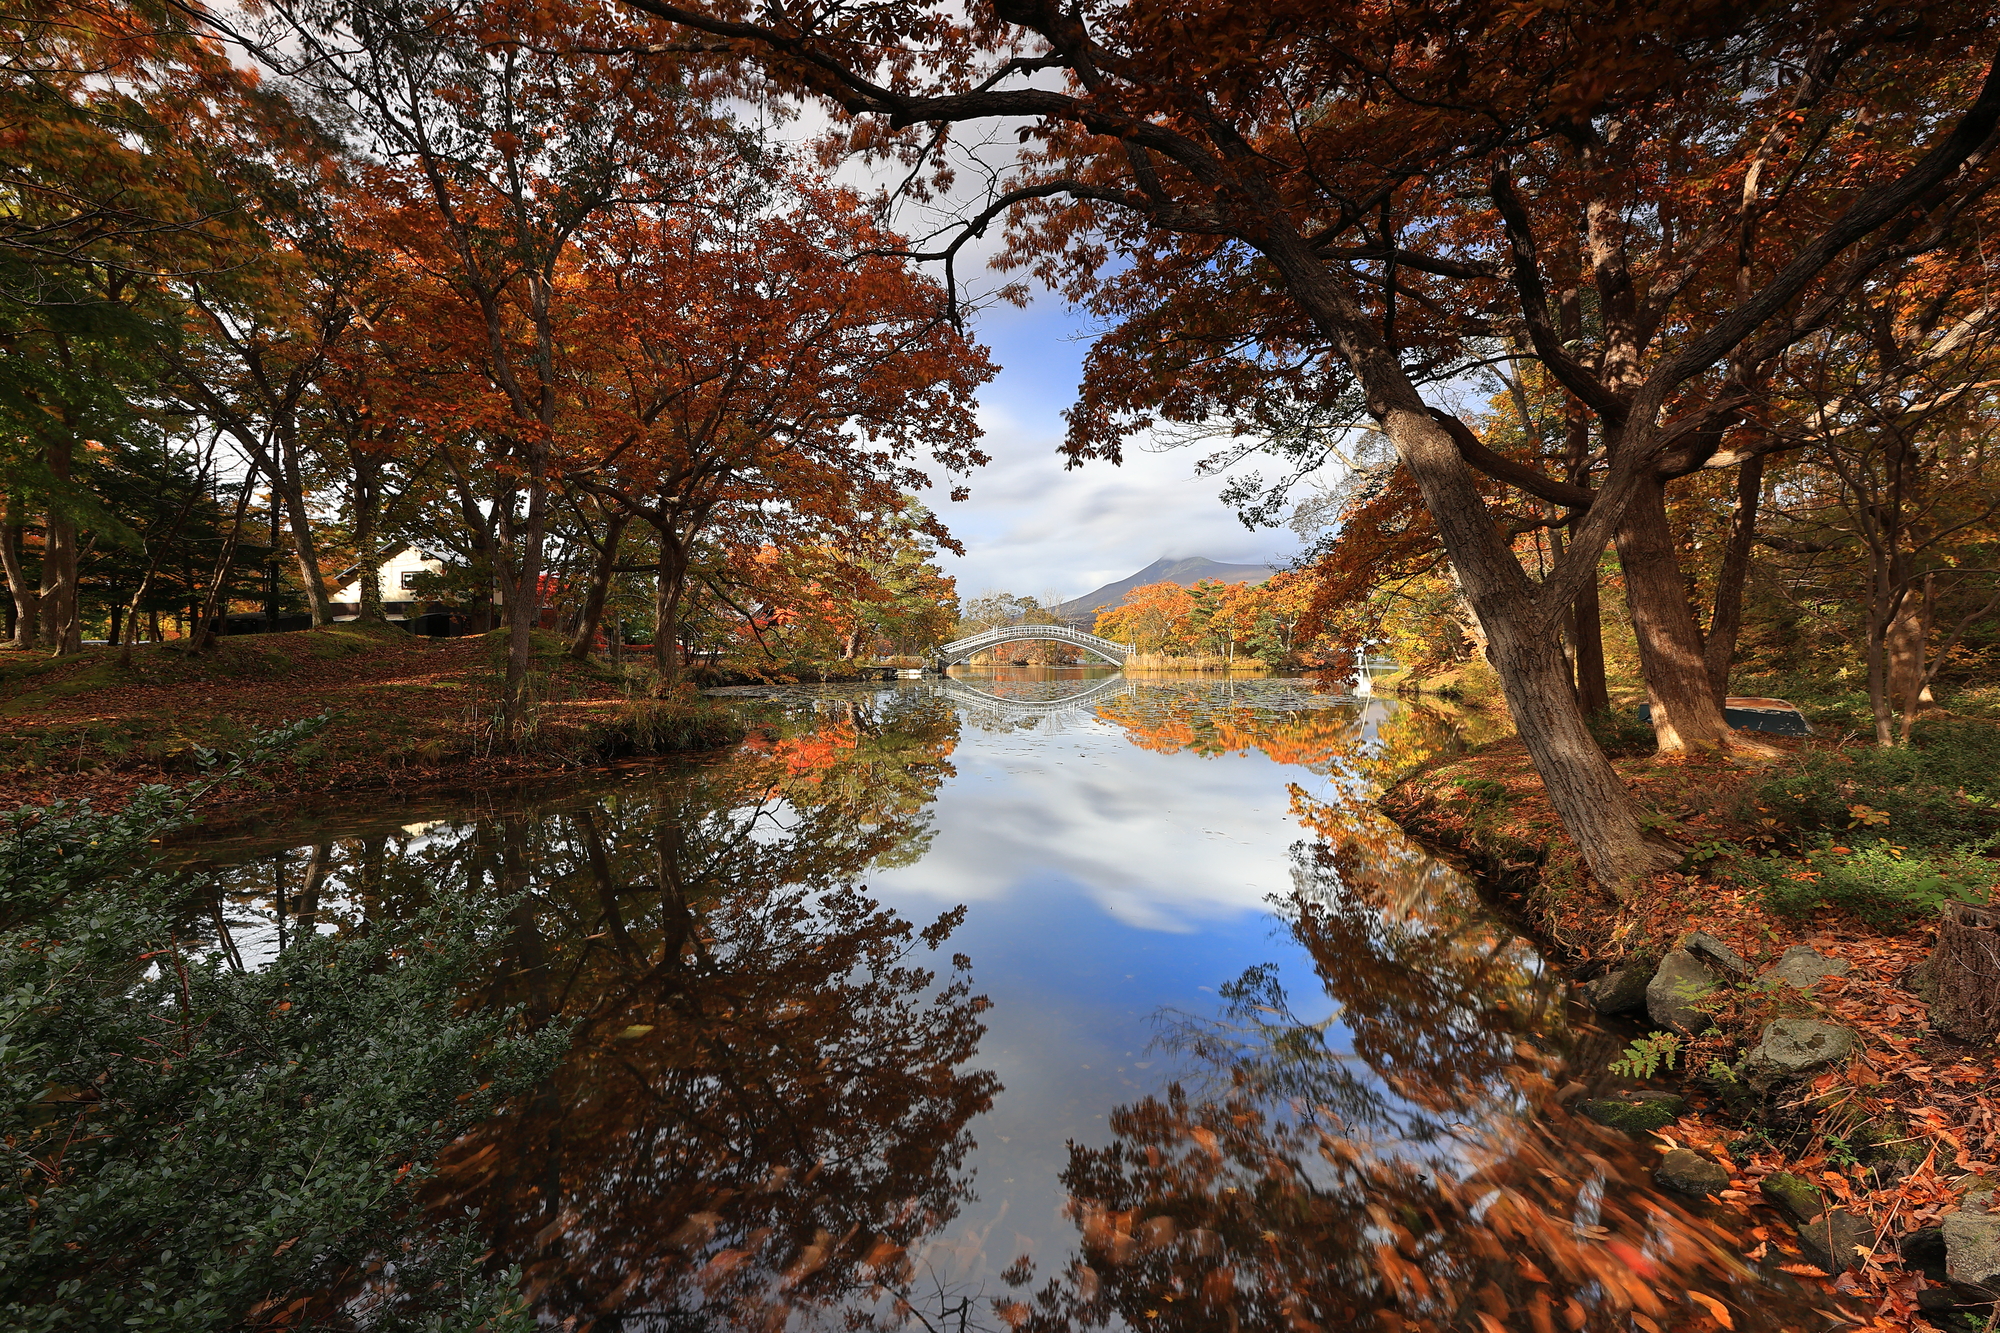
397	579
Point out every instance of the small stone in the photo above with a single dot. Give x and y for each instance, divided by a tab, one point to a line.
1802	968
1972	1247
1681	983
1836	1240
1689	1172
1923	1251
1637	1115
1618	992
1795	1196
1792	1048
1921	981
1715	953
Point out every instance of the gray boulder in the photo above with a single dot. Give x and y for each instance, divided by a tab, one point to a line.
1636	1112
1618	992
1681	983
1793	1048
1802	968
1836	1240
1715	953
1794	1196
1689	1172
1972	1245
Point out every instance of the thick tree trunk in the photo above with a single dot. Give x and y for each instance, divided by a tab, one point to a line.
525	610
1686	713
667	592
600	585
27	600
1593	692
1965	972
60	630
1889	603
1581	783
1588	796
1586	791
367	548
1725	623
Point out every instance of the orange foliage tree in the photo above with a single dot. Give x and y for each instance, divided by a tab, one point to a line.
1306	160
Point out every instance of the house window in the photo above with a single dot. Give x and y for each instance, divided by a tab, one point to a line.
410	579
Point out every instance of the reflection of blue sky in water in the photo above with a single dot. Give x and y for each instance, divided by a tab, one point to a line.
1106	882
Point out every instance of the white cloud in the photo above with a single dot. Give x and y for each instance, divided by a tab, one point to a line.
1104	819
1031	527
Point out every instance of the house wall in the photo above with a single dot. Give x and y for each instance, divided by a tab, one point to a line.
397	600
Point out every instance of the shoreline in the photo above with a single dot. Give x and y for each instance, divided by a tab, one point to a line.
1874	1149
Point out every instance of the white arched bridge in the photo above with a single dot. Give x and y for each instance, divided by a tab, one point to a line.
961	650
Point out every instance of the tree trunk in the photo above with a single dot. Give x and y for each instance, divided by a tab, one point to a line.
1889	602
1965	972
1686	713
1593	692
204	625
1582	785
27	601
58	597
1904	645
60	630
667	608
525	613
600	585
367	552
1588	796
1725	623
288	484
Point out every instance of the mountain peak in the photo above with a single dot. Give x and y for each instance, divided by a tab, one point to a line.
1186	571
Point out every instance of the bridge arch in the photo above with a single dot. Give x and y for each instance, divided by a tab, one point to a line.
962	650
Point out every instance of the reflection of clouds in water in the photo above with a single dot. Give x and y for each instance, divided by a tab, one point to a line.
1106	819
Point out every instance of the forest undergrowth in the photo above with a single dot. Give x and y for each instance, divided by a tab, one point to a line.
402	711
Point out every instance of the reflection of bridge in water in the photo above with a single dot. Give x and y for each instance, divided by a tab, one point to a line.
1259	694
1111	687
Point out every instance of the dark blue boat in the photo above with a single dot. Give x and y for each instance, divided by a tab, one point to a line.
1747	713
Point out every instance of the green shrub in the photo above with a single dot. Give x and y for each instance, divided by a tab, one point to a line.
191	1141
1941	790
1880	882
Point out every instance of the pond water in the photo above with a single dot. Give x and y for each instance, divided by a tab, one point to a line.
1043	998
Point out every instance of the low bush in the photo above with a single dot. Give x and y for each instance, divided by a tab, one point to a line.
196	1145
1941	790
1887	885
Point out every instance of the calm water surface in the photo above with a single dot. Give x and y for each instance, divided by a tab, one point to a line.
1047	998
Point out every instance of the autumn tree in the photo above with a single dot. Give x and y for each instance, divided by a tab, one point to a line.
1303	156
496	138
124	172
747	393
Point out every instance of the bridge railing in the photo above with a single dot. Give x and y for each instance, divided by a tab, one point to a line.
960	649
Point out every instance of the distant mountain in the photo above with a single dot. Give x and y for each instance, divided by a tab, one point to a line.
1187	573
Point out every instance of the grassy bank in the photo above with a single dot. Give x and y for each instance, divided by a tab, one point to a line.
1841	848
403	711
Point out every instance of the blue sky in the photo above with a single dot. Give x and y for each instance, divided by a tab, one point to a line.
1031	528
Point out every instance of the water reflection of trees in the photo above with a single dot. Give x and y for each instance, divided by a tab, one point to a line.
1423	1177
767	1100
1403	1164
